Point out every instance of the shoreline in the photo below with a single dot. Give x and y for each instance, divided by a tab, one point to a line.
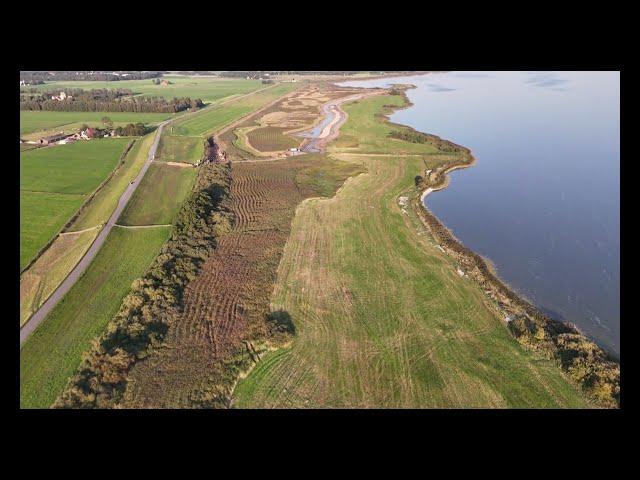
594	369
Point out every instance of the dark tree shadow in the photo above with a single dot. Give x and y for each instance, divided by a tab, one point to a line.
281	322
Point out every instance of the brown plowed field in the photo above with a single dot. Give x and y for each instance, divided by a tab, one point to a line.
227	304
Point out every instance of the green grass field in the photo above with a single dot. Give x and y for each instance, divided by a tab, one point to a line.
42	215
271	139
180	149
382	317
364	133
159	196
206	88
53	352
215	118
75	168
104	203
32	121
54	183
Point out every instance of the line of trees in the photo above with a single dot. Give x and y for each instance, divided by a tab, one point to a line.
105	100
132	130
36	77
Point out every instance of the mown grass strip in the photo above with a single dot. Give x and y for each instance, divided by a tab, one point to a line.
159	196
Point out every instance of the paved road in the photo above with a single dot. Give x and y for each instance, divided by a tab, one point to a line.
88	257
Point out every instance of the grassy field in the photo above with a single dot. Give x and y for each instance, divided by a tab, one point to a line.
75	168
32	121
159	196
104	203
382	317
53	352
41	216
180	149
271	139
213	119
364	133
208	89
54	183
44	276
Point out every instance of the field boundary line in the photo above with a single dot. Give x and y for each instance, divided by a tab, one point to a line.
71	232
143	226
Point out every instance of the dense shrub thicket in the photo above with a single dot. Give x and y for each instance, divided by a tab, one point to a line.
414	136
155	300
132	130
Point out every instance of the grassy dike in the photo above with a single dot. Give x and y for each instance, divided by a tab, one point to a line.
53	352
382	317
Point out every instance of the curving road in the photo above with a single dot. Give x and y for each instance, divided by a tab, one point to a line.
37	318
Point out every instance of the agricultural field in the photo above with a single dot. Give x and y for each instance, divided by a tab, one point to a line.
160	195
227	302
180	149
382	318
271	139
42	215
206	88
105	201
44	276
54	183
46	123
74	168
215	118
50	269
54	350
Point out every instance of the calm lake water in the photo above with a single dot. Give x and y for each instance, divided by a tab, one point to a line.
543	200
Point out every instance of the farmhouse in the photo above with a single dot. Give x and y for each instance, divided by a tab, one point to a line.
62	96
53	138
88	133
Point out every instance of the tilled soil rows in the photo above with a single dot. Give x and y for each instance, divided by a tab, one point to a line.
226	306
